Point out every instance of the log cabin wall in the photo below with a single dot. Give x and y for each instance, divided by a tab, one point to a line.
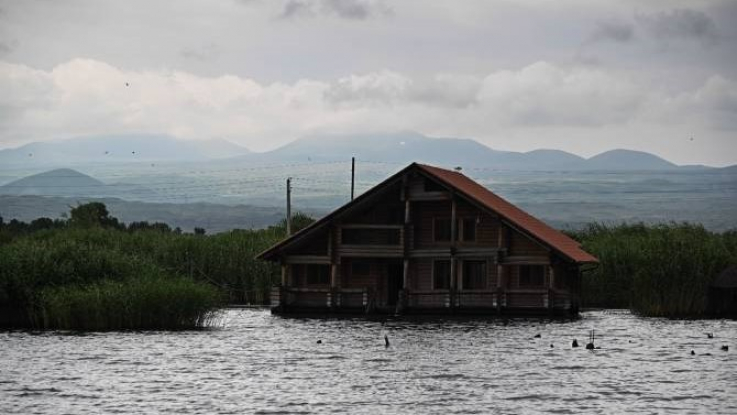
513	273
317	245
360	273
521	245
424	214
421	274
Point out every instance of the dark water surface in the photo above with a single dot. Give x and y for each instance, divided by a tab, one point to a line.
258	363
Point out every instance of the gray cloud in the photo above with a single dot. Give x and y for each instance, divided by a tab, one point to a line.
391	89
344	9
613	31
207	52
296	8
682	24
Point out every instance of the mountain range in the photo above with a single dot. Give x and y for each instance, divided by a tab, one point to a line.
401	148
407	147
129	148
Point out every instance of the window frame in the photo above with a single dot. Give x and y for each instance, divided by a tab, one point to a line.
309	274
529	276
435	228
465	279
435	274
462	227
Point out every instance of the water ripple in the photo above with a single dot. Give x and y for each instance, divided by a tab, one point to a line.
259	363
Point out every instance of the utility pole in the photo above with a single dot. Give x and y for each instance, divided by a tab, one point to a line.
353	176
289	206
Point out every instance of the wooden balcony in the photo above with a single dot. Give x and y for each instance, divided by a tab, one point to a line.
286	299
320	299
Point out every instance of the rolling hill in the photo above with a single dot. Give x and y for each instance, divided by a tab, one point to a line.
107	149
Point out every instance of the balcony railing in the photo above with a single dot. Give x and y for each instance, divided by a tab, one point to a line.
361	299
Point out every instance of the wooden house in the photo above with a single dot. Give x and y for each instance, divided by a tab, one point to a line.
428	240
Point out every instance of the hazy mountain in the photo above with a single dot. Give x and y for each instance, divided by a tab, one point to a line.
68	182
407	147
628	160
399	148
54	182
118	148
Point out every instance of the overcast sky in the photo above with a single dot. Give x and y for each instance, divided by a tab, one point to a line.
583	76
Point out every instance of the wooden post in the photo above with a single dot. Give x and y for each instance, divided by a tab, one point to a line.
406	235
333	276
499	287
284	275
289	206
405	274
453	221
551	287
335	297
353	176
453	243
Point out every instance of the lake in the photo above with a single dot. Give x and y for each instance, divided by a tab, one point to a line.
259	363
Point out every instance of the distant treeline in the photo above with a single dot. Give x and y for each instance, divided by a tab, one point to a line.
655	270
91	271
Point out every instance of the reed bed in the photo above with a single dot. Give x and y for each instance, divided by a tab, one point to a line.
150	302
80	279
42	271
656	270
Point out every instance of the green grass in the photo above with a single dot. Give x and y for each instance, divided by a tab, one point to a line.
656	270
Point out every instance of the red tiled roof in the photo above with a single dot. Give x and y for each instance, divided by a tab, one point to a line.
537	228
475	192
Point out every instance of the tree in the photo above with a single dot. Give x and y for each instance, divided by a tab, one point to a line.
145	225
199	231
93	214
42	223
299	221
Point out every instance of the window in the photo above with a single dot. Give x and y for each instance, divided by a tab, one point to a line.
360	268
468	229
531	275
441	230
318	274
441	275
474	275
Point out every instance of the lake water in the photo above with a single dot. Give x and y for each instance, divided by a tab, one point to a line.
259	363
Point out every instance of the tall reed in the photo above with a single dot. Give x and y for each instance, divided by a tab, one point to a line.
143	303
656	270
